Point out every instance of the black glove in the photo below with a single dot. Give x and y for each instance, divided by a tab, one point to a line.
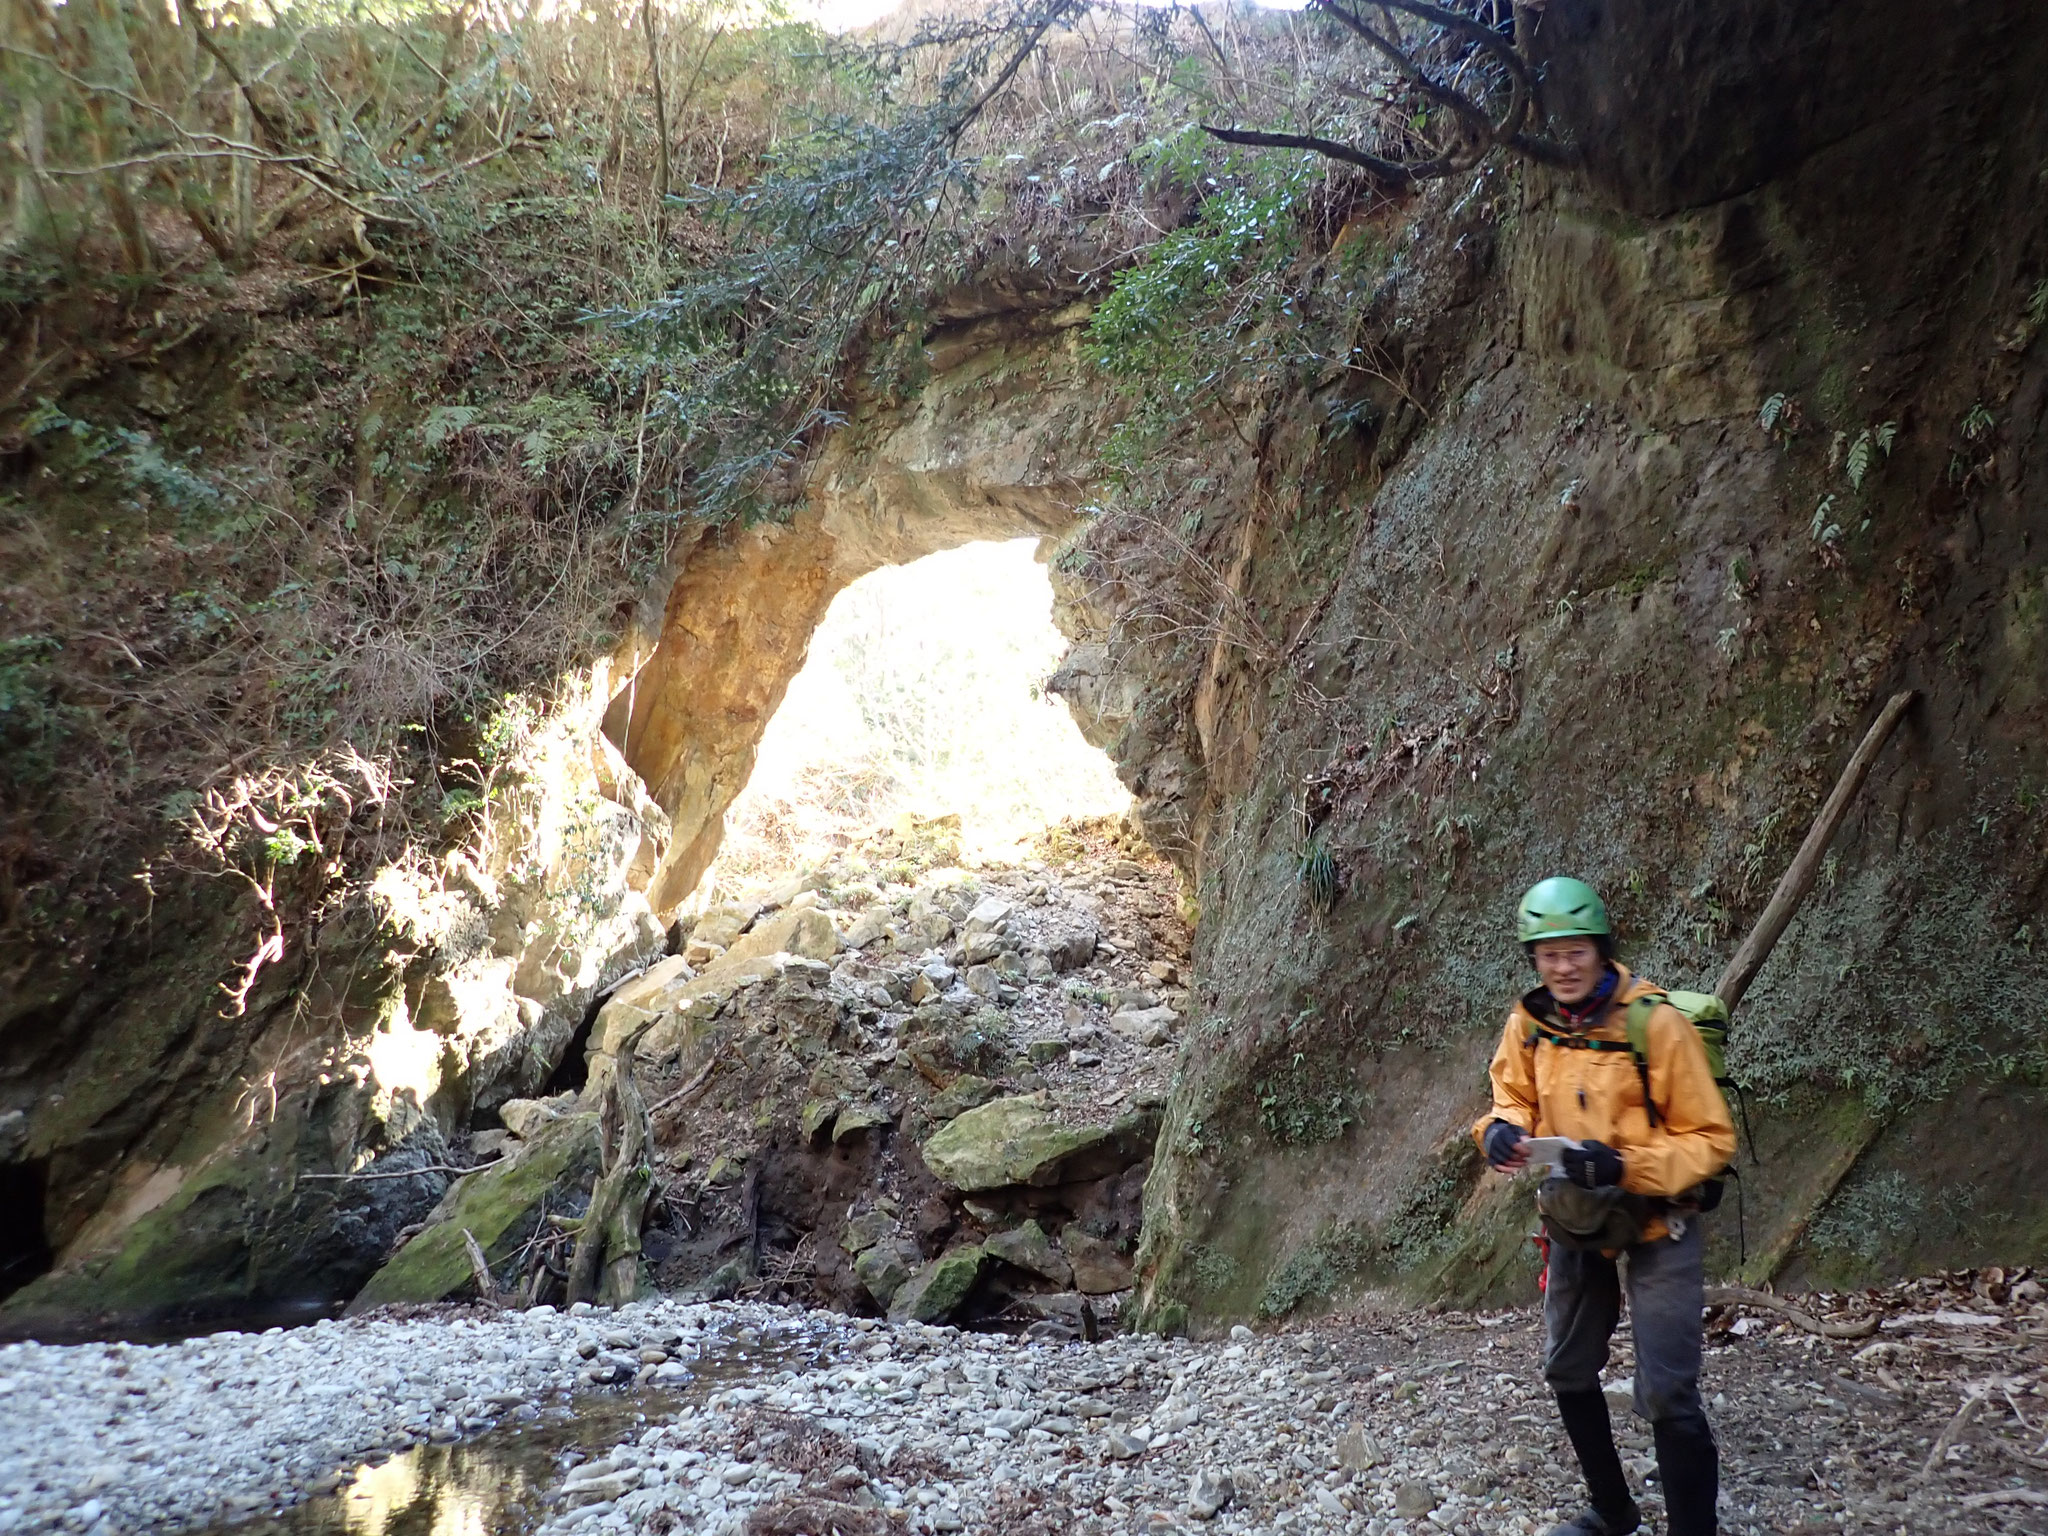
1595	1165
1502	1137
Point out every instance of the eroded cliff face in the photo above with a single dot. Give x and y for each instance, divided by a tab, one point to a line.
1670	473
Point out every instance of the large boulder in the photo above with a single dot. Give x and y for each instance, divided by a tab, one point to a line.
1029	1248
1098	1268
678	1001
1024	1140
806	931
527	1118
935	1292
499	1206
882	1268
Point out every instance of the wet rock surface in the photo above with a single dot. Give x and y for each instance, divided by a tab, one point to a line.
760	1419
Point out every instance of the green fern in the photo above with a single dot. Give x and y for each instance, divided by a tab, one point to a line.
1825	529
1772	413
1977	421
1862	454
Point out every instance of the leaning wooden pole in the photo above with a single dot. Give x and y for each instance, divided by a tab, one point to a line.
1798	880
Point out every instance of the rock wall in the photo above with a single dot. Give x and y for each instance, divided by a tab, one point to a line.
1670	472
197	1161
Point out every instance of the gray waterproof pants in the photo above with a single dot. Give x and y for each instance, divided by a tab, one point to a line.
1582	1303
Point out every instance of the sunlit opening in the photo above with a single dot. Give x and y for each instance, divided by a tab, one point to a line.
924	693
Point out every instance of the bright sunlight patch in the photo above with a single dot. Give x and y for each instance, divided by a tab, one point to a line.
924	692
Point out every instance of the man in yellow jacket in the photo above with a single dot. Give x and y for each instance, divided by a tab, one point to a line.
1650	1133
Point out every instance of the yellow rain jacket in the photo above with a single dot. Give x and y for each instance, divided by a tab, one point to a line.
1590	1095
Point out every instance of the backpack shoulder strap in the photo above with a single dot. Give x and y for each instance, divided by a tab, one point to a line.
1635	1023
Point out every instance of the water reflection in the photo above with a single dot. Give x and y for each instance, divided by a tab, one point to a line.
490	1486
424	1495
495	1484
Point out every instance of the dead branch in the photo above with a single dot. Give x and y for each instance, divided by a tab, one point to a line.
1479	131
486	1283
1956	1425
1798	879
1743	1296
1992	1498
689	1089
405	1173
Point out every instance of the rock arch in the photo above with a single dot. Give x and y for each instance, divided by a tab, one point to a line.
999	443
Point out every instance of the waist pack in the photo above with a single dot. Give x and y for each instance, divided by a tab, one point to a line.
1611	1218
1576	1217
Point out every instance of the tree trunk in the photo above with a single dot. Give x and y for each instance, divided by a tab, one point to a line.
606	1265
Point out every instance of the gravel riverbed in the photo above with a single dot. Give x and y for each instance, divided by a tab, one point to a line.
763	1420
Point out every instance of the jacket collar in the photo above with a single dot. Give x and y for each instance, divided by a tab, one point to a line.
1542	1007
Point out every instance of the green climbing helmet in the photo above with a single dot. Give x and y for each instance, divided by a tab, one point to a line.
1561	908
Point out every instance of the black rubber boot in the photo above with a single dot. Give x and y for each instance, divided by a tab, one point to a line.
1614	1511
1588	1523
1689	1466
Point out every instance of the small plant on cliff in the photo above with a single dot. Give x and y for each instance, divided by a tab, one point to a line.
1865	450
1172	325
1338	1252
1782	417
1296	1110
1315	871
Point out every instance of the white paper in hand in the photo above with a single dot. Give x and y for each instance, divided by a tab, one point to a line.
1546	1153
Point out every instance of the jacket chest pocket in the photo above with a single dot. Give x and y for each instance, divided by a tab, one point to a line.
1597	1087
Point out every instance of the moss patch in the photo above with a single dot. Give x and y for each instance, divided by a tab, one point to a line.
498	1206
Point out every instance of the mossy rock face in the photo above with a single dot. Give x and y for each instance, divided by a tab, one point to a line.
498	1206
244	1236
935	1292
965	1092
1020	1141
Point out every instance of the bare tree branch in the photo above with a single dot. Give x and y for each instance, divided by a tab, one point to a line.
1392	173
1479	130
1053	13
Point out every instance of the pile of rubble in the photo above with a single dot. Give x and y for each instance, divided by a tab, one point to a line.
892	1083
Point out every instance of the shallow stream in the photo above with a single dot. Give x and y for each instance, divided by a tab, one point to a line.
490	1486
496	1483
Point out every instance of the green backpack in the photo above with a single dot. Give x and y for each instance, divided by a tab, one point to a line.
1708	1016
